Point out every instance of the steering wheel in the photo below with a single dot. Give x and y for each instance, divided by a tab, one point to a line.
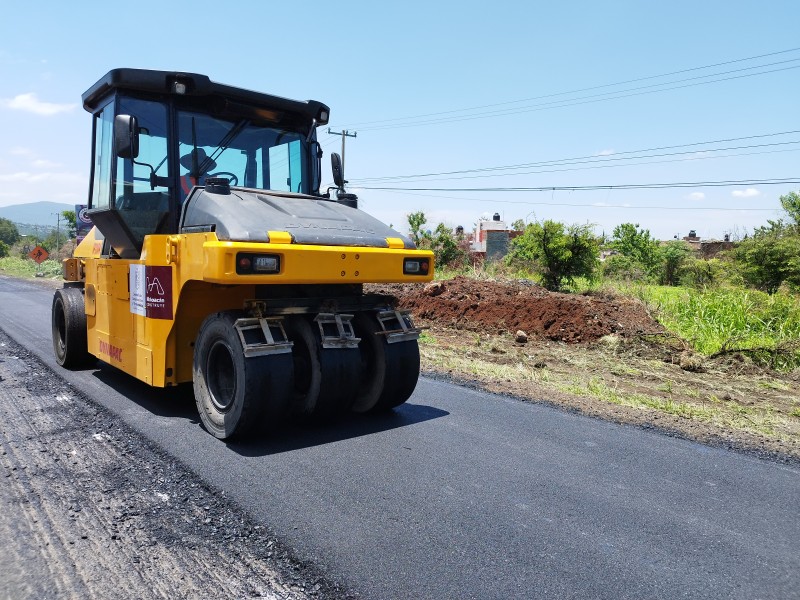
232	177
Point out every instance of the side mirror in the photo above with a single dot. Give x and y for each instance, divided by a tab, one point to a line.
126	136
338	171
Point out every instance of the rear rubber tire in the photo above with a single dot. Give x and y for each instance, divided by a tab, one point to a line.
68	317
237	395
389	371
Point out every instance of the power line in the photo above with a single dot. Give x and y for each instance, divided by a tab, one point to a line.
616	156
586	89
631	186
632	164
602	205
574	101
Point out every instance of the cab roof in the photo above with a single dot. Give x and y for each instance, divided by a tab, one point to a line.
177	83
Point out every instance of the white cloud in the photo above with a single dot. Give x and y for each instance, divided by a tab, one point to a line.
28	177
31	103
748	193
20	151
45	164
696	196
607	152
19	176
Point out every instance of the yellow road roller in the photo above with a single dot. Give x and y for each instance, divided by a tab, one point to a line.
215	258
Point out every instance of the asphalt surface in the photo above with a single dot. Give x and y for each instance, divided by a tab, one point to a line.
461	494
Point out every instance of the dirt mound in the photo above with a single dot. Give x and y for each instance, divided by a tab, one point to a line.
500	307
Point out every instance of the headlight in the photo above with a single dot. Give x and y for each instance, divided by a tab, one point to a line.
416	266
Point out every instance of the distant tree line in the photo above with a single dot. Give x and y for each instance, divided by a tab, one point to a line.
558	253
10	235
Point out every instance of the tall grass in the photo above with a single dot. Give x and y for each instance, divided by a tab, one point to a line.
767	327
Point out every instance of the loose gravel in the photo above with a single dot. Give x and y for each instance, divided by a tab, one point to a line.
93	510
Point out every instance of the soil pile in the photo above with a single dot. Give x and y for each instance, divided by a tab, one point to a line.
502	307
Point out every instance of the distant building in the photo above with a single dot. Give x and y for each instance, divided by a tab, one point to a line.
706	248
491	238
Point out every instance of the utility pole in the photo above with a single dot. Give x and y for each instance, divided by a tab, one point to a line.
345	134
58	230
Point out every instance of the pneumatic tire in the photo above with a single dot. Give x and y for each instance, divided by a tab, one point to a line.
389	371
69	328
323	381
235	394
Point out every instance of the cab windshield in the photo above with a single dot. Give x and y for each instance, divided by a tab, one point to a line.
245	153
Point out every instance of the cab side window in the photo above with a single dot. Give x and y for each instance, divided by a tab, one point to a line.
103	149
141	185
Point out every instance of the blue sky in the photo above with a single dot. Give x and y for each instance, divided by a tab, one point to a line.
382	66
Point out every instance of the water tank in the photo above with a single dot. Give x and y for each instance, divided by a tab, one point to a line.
496	217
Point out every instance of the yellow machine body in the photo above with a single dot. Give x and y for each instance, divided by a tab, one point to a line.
196	277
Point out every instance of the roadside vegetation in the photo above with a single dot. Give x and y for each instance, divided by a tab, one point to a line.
14	249
744	300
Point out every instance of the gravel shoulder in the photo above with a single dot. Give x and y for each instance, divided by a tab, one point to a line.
92	510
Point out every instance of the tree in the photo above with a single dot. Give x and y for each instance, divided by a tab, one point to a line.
791	204
445	246
558	252
446	249
3	249
635	243
770	257
415	222
518	225
71	220
673	255
8	232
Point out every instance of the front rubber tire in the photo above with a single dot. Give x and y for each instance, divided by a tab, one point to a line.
389	371
236	395
323	385
68	318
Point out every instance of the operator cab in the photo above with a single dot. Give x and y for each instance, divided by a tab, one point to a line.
158	134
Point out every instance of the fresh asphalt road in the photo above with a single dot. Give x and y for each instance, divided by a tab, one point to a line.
461	494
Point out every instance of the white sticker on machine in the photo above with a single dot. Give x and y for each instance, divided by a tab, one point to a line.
151	291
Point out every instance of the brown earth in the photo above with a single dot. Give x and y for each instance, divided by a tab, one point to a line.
490	306
602	355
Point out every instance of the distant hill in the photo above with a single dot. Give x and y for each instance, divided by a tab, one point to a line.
34	214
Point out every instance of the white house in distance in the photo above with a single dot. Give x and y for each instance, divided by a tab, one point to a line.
491	237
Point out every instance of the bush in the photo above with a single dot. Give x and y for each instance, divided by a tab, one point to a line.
699	273
8	232
3	249
672	257
770	257
559	253
448	250
624	268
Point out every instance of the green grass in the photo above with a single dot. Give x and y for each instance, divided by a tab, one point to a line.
762	421
25	267
426	338
766	326
597	388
